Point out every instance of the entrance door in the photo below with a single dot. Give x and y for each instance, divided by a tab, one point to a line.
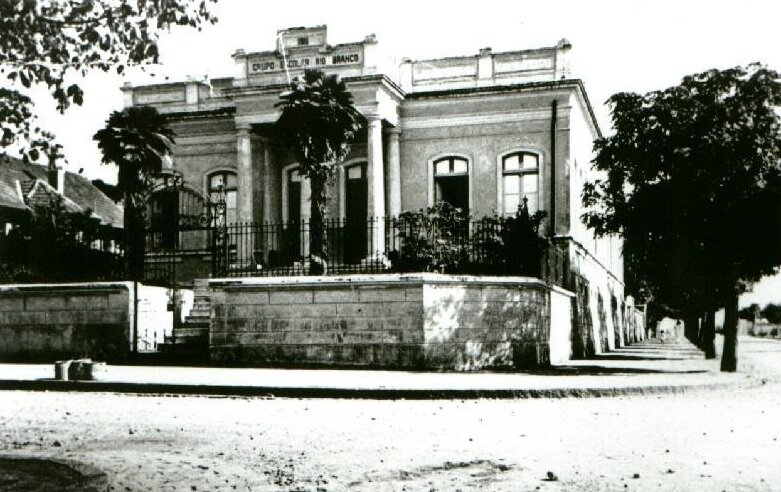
292	247
356	210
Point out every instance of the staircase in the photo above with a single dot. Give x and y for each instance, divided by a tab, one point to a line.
190	339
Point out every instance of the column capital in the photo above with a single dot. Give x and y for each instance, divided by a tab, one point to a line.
243	128
392	131
373	118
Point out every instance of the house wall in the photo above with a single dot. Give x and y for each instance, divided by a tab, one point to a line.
481	127
51	321
409	321
602	304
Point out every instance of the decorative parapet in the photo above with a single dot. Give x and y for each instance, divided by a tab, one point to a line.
487	69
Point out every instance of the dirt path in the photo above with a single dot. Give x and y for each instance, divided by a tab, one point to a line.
700	441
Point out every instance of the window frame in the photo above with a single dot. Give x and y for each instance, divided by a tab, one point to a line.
209	190
501	173
431	192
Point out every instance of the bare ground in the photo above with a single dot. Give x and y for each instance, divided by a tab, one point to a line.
720	440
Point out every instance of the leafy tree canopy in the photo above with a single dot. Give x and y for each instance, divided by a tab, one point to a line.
47	41
692	179
137	140
318	122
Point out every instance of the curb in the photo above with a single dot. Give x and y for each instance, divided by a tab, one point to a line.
368	394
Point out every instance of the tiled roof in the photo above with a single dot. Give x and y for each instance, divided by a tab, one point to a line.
80	193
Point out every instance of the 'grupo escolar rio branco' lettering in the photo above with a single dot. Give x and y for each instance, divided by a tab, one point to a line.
302	62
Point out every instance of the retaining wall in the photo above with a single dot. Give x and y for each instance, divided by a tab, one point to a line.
409	321
51	321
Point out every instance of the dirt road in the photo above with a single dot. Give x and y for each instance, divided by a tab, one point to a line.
723	440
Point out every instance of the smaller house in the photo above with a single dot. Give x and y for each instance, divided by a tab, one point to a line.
23	186
26	189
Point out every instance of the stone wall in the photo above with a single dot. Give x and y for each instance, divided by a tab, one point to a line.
44	322
422	321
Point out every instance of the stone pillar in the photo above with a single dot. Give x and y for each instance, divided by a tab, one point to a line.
376	176
266	177
244	175
245	246
394	172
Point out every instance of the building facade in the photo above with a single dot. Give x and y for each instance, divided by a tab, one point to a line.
482	132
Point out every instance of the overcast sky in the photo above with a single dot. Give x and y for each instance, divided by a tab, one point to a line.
627	45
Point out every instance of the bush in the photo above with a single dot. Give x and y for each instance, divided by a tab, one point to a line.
511	245
432	240
443	239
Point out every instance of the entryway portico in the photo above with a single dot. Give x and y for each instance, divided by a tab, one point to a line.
271	190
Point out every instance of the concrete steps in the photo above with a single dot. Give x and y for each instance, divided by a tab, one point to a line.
191	338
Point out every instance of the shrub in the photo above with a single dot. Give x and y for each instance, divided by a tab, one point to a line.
434	239
443	239
511	245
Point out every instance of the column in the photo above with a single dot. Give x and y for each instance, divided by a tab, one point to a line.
244	174
394	172
245	245
376	177
266	176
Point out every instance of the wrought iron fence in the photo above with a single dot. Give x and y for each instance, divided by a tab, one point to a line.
395	244
36	255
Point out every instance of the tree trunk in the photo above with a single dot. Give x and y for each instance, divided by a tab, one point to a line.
691	325
729	356
708	334
318	256
135	239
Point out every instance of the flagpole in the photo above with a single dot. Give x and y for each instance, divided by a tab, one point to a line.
284	58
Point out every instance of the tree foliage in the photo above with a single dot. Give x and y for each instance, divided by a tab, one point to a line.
318	124
444	239
50	41
137	140
692	180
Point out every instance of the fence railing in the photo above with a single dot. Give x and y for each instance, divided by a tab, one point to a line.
393	244
41	256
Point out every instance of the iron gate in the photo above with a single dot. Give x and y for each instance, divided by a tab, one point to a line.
185	236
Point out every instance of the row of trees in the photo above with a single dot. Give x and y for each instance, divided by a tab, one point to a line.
692	180
771	312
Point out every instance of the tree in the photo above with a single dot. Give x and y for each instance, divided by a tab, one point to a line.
772	313
318	123
692	179
137	140
49	41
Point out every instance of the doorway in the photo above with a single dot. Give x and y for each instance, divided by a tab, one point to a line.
356	211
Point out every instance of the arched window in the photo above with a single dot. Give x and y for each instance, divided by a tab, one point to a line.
451	182
520	173
224	182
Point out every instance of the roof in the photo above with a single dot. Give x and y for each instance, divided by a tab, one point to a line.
22	184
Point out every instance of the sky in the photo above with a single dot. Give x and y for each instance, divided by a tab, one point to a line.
618	46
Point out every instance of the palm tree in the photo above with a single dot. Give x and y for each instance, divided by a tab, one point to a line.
318	124
137	140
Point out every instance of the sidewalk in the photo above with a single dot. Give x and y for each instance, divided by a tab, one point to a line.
650	367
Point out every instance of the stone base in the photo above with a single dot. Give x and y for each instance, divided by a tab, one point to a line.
426	321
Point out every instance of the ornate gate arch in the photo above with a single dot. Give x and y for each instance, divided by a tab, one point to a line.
185	233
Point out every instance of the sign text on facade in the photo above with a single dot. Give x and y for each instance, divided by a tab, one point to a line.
301	62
